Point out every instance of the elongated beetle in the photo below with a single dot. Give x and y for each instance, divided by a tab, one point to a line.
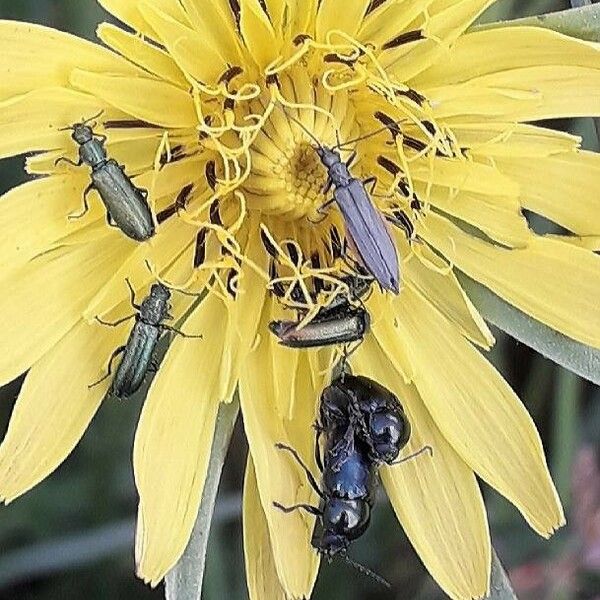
138	352
126	205
365	226
341	322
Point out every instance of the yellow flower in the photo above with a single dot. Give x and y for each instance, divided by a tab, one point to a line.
206	95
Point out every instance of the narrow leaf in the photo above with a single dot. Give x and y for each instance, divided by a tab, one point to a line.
582	22
184	581
575	356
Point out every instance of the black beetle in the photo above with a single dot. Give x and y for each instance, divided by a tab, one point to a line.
374	412
126	205
138	352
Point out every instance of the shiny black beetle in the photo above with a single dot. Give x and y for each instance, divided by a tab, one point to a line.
363	425
126	205
138	352
373	412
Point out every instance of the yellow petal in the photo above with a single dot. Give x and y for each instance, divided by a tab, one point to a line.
32	121
513	139
479	414
527	94
332	16
55	288
463	175
173	441
390	19
54	408
436	498
499	217
507	49
563	188
137	50
244	313
301	17
214	20
447	22
258	33
557	284
164	104
393	345
185	45
442	290
33	56
47	203
175	236
261	574
279	478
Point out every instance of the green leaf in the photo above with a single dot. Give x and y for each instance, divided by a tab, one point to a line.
184	581
500	587
582	22
568	353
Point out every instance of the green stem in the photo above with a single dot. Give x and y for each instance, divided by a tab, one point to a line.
184	581
582	23
500	586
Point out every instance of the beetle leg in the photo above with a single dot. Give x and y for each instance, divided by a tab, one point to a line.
351	159
132	294
68	161
101	137
371	180
113	323
328	185
318	459
311	510
114	355
181	333
86	206
309	475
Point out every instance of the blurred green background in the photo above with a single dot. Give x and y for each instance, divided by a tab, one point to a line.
72	537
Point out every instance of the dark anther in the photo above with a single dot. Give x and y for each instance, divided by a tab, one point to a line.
301	38
230	74
292	253
416	204
375	4
236	10
210	170
229	104
129	124
215	216
403	188
404	38
404	222
429	126
414	143
268	245
388	122
272	79
388	165
412	95
200	251
180	203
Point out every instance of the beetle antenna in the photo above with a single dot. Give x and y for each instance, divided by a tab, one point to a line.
423	450
366	571
301	125
366	136
93	118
